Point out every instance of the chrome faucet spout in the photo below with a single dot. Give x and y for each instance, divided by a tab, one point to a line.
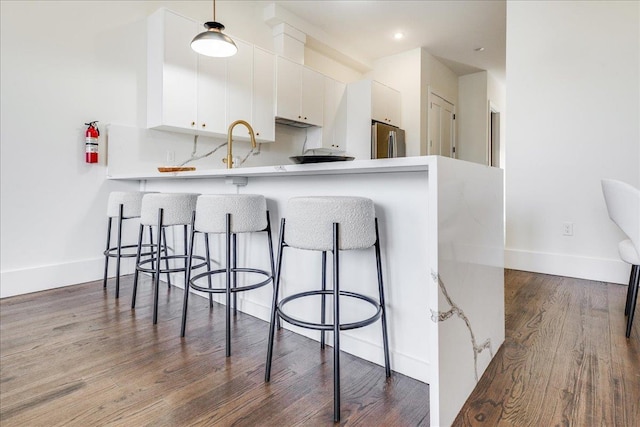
229	159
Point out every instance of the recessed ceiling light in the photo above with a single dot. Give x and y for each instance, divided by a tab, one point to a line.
479	49
398	35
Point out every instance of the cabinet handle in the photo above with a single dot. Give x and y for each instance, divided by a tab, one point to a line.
193	123
305	118
299	117
257	133
204	125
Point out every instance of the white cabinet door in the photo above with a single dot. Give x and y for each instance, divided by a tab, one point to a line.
334	128
289	83
172	72
299	93
312	97
239	87
385	104
264	73
211	104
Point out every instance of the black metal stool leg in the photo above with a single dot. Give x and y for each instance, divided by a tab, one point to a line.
323	301
336	324
635	270
137	272
187	286
119	249
151	254
632	306
271	259
156	283
166	252
228	286
274	304
185	233
234	253
385	338
208	256
106	253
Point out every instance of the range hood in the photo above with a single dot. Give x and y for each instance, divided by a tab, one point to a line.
293	123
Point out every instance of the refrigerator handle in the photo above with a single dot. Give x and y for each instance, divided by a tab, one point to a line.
391	147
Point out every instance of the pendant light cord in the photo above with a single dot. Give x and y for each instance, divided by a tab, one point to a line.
214	11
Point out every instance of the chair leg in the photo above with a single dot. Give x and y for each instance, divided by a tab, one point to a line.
208	256
119	250
271	259
634	271
137	272
166	253
106	253
336	325
385	338
234	240
634	300
323	302
274	304
187	286
160	234
228	286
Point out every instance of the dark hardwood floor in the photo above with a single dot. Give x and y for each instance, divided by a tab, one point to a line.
565	361
75	356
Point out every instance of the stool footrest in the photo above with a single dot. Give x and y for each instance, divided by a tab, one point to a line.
169	270
197	287
113	252
328	326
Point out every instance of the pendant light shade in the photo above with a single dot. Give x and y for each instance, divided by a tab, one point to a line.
214	42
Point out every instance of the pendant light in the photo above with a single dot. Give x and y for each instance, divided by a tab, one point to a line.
213	42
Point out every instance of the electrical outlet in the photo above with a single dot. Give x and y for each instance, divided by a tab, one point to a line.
171	156
567	229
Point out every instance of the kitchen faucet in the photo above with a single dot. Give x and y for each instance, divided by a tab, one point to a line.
229	159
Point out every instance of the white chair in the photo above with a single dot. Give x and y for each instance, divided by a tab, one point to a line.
623	205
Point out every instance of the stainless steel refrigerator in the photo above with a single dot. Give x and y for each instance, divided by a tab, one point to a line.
386	141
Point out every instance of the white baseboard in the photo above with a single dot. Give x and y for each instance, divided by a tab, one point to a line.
598	269
43	277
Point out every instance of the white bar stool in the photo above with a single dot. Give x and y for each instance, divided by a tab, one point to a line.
228	214
122	205
162	210
329	224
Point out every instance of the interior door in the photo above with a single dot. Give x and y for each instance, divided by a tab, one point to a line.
441	127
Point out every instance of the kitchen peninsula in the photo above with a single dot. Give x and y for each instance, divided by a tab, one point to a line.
442	236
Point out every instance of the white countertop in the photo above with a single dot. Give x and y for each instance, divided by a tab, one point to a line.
404	164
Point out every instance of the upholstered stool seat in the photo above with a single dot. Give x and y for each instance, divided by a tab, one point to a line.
229	214
162	210
329	224
122	205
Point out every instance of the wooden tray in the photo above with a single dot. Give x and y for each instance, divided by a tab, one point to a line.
176	168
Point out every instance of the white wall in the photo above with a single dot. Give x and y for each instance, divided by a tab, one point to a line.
438	78
573	85
472	117
475	93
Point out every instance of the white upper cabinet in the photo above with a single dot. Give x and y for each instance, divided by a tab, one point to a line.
264	92
334	128
187	92
300	93
239	87
385	104
172	81
211	108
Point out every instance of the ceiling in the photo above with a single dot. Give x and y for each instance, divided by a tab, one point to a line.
452	30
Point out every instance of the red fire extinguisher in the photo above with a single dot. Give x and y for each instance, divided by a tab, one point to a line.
91	142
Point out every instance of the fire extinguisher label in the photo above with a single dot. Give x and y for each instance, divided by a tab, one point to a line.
91	145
